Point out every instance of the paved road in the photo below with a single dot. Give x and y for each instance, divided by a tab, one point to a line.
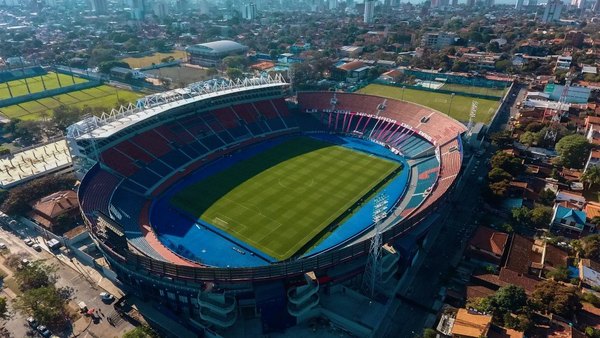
441	259
70	273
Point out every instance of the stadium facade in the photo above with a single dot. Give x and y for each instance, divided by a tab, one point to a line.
129	157
211	54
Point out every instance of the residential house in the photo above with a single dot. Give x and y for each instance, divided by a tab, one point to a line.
568	219
589	272
487	244
47	210
573	198
471	325
593	160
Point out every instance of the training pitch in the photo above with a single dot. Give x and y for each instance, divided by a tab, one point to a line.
282	200
37	84
461	105
102	97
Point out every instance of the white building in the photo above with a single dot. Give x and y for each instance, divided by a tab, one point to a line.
249	11
369	11
519	5
552	11
333	4
438	40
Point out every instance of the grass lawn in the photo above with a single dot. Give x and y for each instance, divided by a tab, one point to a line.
461	105
155	58
280	200
11	283
182	75
474	90
104	97
51	80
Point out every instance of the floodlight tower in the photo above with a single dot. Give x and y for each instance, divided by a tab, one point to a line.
381	107
373	267
472	115
333	101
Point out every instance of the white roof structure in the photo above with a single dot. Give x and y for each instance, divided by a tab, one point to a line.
34	162
118	119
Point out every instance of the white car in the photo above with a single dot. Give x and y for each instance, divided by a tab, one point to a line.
2	246
28	241
107	297
37	247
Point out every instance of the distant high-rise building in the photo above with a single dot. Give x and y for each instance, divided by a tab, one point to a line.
444	3
100	6
249	11
387	3
519	5
454	3
369	13
161	9
597	7
552	11
138	9
579	4
434	3
332	4
470	3
489	3
532	3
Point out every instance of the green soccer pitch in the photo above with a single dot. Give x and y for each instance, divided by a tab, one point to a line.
281	200
460	108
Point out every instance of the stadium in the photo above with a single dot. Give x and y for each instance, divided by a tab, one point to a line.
229	199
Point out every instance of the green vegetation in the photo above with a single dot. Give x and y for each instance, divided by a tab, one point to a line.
573	151
142	331
282	199
155	58
461	105
101	97
50	80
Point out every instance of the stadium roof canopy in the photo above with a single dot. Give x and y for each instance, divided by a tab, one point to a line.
34	162
152	105
217	48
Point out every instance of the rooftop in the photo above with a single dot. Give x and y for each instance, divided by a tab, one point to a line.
217	47
469	324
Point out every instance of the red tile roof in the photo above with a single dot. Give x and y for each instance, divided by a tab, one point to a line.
489	240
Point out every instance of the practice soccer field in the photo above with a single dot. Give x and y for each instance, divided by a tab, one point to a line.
461	105
101	97
155	58
281	200
36	85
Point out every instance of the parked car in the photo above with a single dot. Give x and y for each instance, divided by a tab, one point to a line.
106	297
44	331
28	241
2	246
32	322
37	247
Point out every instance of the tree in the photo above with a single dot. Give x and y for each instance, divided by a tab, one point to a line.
591	176
510	298
520	215
499	189
528	138
235	61
64	116
560	274
540	216
234	73
429	333
105	67
35	275
3	308
28	131
143	331
498	174
573	150
590	247
547	197
19	197
502	139
508	162
552	297
46	305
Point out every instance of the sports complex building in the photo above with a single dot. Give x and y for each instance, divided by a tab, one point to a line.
232	200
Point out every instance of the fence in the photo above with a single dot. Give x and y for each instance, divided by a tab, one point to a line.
48	93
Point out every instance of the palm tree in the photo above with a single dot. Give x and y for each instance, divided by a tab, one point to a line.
591	175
